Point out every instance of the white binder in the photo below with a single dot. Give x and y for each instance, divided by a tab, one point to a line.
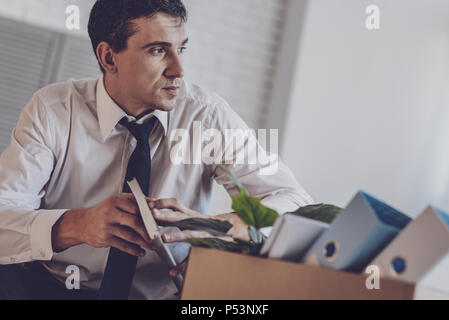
291	237
420	254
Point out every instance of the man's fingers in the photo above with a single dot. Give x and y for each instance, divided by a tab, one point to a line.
125	202
133	222
185	235
239	228
130	235
168	215
175	205
172	203
127	247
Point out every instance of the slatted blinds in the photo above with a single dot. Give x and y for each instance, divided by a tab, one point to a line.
26	54
30	58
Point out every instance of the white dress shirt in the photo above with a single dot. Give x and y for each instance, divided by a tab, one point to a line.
69	152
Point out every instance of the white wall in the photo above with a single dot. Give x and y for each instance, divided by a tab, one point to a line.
369	109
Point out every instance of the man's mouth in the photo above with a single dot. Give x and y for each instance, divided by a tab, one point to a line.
174	91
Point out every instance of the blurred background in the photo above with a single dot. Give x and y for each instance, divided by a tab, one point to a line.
355	108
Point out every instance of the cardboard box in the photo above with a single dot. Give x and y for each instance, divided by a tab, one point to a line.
219	275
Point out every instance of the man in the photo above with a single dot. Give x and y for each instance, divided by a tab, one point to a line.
63	196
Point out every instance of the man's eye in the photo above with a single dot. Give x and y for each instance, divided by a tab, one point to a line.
157	51
181	50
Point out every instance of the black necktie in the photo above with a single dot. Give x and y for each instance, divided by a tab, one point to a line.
119	272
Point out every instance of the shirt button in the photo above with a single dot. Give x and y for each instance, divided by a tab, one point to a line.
42	254
12	260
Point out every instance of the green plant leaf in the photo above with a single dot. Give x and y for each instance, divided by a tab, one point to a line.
252	211
321	212
239	246
214	226
240	205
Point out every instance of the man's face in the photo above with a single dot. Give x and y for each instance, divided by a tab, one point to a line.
149	70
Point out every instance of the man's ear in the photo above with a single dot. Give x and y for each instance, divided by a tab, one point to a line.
106	57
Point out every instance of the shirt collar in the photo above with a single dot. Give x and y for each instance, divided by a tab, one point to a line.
109	112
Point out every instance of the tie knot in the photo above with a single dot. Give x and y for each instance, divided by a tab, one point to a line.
140	131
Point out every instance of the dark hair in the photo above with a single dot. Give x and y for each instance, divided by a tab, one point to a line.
111	20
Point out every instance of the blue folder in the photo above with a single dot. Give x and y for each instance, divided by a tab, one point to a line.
357	235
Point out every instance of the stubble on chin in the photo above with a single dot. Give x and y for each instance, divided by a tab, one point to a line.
163	105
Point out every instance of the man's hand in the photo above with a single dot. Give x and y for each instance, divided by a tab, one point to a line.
172	210
113	223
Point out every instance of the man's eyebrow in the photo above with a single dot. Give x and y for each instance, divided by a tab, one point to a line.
163	44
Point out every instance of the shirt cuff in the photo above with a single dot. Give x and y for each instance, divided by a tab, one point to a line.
41	245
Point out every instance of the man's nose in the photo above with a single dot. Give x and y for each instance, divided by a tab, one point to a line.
174	68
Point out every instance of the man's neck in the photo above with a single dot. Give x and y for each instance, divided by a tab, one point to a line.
131	108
